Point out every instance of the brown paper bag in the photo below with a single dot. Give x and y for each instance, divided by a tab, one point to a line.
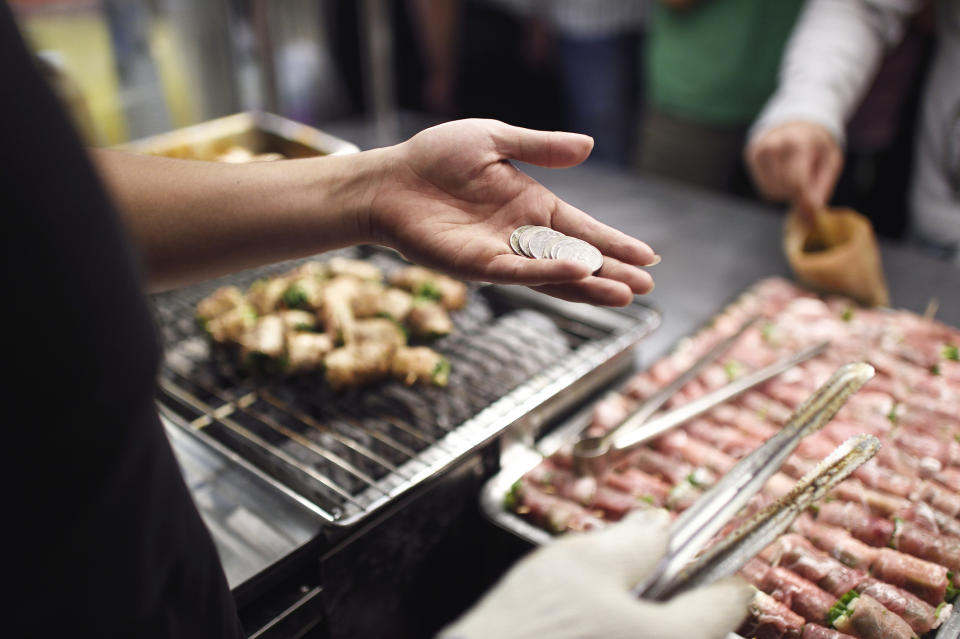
837	254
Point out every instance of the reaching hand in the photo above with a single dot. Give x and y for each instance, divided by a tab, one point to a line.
798	161
450	198
579	586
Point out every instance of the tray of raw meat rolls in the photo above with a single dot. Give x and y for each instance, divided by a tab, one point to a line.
879	556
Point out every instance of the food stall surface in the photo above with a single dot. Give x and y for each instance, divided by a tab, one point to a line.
713	247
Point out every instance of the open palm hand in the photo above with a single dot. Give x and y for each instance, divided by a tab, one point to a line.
451	199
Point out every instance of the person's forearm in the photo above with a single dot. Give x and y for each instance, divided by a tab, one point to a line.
194	220
830	60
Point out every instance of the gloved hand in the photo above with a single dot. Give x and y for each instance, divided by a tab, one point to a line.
579	587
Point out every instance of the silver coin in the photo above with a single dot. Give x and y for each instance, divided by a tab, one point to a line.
551	242
539	239
554	245
514	238
523	239
581	252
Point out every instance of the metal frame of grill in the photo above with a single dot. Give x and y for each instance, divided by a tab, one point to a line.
346	456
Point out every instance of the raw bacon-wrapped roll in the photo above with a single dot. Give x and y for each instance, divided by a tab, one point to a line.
798	555
815	631
600	498
925	579
864	617
770	619
902	535
553	513
800	595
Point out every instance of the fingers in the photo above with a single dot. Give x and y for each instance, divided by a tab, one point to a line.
543	148
592	290
825	176
639	281
797	161
571	221
514	269
627	551
708	613
615	283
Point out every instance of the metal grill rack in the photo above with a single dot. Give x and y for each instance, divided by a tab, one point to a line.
345	455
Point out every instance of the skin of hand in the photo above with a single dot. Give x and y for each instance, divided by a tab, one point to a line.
579	586
448	198
452	198
798	162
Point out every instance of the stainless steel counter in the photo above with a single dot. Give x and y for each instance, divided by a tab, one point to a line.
253	525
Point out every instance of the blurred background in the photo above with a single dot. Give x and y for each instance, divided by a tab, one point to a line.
667	87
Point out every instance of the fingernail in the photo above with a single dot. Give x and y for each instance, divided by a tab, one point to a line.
656	260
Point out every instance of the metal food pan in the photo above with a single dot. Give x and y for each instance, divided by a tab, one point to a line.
254	131
601	345
520	457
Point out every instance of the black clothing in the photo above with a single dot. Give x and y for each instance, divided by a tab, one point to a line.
107	541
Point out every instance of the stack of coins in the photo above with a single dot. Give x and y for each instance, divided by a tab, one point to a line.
540	242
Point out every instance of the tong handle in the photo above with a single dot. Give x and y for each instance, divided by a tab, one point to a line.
704	403
694	528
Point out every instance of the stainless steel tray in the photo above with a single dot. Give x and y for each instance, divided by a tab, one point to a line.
520	457
598	355
516	461
254	131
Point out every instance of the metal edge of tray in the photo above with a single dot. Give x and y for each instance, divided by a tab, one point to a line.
210	131
286	510
517	461
540	398
521	458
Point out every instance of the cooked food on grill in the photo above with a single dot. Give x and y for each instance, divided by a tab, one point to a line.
374	299
337	315
265	337
305	351
358	269
429	319
420	364
381	330
294	320
299	291
223	300
226	315
423	282
358	364
880	557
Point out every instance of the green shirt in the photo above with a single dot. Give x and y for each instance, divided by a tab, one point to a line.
717	62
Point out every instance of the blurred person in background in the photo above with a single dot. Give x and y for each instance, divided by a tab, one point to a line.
593	47
795	149
710	66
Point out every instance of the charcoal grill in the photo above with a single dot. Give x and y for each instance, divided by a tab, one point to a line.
517	355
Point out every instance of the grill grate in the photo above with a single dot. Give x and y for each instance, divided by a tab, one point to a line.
347	454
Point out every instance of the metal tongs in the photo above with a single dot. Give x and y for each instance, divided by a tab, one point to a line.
594	455
689	562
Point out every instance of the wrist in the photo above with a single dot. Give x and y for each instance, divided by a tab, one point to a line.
358	185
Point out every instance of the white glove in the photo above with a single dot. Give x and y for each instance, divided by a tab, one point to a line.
579	587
